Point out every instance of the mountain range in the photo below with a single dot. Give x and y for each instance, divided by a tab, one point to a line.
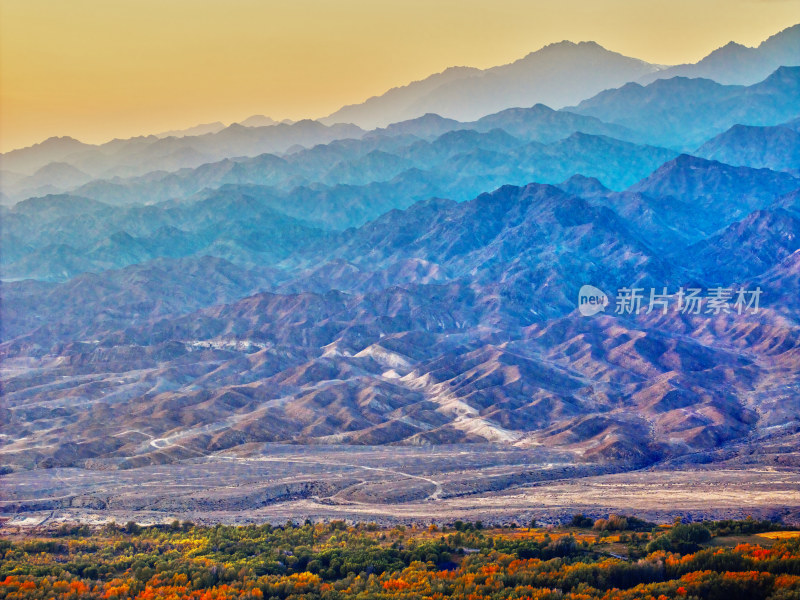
415	281
445	322
735	64
146	154
776	148
559	75
683	113
677	114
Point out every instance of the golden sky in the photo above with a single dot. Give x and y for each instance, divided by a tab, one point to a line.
99	69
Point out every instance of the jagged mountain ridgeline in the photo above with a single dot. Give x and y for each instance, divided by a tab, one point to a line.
411	273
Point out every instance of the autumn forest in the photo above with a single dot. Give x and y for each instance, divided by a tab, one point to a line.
613	558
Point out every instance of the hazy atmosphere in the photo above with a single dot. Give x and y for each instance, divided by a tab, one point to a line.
400	301
95	70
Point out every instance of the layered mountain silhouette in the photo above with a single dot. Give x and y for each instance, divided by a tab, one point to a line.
683	113
677	113
145	154
446	322
557	75
516	146
738	64
413	279
201	129
776	148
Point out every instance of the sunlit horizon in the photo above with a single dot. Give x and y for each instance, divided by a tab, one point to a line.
98	71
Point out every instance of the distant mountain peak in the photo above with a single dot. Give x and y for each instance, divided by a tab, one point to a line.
789	38
58	167
731	51
687	160
58	139
730	47
202	129
555	45
258	121
735	63
568	44
557	75
784	73
706	173
582	186
774	147
733	45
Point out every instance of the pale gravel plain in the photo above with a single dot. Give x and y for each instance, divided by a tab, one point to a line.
392	485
